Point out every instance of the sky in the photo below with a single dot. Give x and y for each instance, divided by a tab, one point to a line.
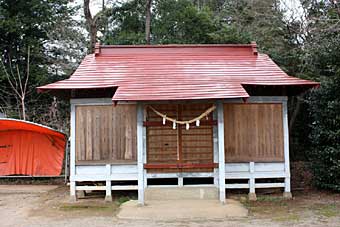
95	5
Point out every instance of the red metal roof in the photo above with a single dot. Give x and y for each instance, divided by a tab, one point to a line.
176	72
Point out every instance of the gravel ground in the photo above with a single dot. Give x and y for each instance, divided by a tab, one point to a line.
53	209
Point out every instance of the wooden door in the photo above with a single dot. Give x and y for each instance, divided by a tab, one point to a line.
181	149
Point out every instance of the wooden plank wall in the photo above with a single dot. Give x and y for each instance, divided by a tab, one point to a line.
253	132
168	146
106	133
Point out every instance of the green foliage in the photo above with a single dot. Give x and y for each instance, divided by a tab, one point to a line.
125	23
173	21
179	21
321	61
56	46
262	21
324	108
229	34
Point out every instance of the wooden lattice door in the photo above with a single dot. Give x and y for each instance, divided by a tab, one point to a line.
179	150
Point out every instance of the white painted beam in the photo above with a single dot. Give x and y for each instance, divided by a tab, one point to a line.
287	192
180	181
257	185
252	194
221	160
269	185
251	178
112	177
256	175
92	101
236	186
144	151
73	153
177	175
90	188
108	196
215	149
103	188
140	152
258	99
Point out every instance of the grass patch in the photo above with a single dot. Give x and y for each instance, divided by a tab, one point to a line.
269	207
122	200
264	200
272	199
83	207
327	210
245	202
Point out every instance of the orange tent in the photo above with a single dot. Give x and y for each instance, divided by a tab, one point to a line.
31	149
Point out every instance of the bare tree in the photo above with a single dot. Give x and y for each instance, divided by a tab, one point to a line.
18	82
147	21
94	22
91	23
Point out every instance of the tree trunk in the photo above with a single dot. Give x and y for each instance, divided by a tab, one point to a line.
148	21
90	25
93	37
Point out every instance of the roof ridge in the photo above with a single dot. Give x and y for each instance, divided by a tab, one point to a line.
250	49
177	45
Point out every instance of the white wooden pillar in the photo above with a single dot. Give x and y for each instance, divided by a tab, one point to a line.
144	151
108	188
140	154
252	194
73	196
221	160
287	193
180	181
215	149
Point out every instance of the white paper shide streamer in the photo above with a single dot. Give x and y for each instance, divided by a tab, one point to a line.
186	123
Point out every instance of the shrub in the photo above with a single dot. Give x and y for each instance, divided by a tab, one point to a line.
324	110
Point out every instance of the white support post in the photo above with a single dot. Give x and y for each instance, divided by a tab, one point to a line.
180	181
215	148
144	151
221	161
73	196
140	152
252	194
108	195
287	193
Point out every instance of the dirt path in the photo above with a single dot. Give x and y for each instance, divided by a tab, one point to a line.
52	209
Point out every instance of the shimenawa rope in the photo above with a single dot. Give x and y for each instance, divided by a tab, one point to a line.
188	122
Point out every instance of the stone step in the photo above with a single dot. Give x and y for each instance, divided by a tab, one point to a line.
181	193
174	210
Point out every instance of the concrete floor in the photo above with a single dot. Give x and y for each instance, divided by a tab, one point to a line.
182	209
